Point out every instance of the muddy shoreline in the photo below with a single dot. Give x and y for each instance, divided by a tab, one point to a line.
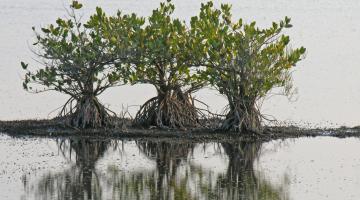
54	128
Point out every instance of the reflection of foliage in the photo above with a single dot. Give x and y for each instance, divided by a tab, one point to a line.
144	185
74	183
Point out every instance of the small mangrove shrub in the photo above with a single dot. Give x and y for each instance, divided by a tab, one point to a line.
243	62
164	62
75	59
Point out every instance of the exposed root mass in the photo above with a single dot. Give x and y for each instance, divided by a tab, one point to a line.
88	112
243	119
176	110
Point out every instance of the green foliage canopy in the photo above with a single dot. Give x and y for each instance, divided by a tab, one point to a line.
76	58
164	60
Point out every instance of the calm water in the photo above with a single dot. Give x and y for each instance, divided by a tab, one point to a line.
327	81
80	168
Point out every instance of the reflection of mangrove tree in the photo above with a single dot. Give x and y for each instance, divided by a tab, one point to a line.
159	184
240	181
178	174
177	177
80	181
168	157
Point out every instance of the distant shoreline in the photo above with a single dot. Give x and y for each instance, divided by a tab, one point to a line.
55	128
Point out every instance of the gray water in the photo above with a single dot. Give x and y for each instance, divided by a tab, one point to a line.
327	80
82	168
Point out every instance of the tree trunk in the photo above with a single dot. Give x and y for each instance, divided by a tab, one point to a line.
242	117
89	113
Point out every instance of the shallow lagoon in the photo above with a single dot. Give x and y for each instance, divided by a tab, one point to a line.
84	168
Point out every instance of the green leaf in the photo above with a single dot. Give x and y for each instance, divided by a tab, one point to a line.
25	86
76	5
288	26
45	30
302	50
23	65
99	11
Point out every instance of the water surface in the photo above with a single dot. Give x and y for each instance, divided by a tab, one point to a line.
82	168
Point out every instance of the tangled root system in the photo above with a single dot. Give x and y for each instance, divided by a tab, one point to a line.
175	110
243	119
87	112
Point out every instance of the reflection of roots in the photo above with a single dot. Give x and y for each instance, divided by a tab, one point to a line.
86	113
170	111
87	152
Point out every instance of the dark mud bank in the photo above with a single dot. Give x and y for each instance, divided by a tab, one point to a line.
54	128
